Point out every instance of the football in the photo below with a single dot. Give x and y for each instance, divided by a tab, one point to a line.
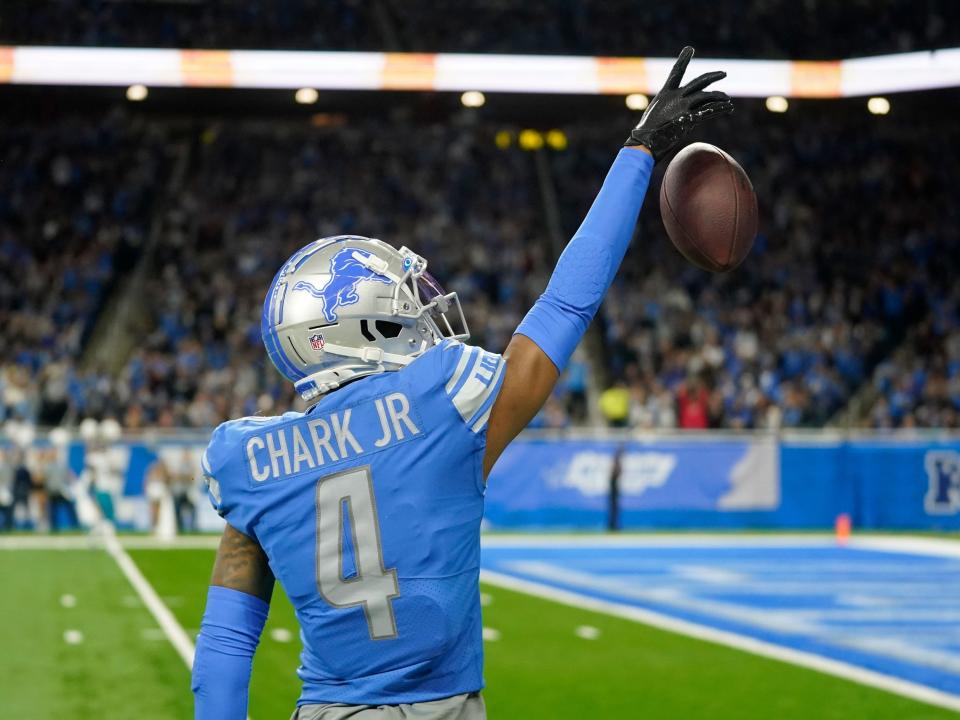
709	208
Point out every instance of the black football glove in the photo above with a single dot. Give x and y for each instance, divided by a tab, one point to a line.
676	110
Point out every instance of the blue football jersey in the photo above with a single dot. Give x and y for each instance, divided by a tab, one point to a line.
368	507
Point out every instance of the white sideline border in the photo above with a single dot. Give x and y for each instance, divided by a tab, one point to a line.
821	664
86	542
657	539
911	545
170	626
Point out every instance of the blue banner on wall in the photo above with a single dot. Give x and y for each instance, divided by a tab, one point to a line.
676	482
567	482
755	482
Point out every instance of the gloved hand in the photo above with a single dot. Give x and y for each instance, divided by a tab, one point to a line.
676	110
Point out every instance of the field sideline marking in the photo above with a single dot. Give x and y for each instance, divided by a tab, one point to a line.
748	644
161	613
169	624
911	545
658	540
88	542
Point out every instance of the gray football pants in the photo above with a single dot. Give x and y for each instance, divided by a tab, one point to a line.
459	707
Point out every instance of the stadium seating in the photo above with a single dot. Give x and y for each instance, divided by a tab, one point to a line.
787	340
256	192
591	27
789	337
75	201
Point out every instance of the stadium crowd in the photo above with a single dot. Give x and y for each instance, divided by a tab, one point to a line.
919	384
832	295
258	191
858	245
75	207
587	27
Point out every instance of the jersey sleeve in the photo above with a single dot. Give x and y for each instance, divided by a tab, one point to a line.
223	476
210	481
472	380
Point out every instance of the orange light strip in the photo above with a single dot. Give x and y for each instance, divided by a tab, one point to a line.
458	72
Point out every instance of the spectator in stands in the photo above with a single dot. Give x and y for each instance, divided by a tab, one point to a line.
693	402
183	482
7	471
574	385
830	298
760	28
615	405
163	520
57	477
23	487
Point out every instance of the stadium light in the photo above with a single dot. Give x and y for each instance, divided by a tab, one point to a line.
530	140
458	72
557	139
637	101
777	104
306	96
473	99
878	105
137	93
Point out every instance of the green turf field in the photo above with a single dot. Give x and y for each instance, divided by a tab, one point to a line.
121	666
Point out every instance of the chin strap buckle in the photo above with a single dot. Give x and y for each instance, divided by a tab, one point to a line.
371	355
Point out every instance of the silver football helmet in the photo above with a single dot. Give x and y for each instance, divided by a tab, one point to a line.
347	306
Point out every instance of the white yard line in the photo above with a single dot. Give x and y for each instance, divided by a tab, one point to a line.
171	628
722	637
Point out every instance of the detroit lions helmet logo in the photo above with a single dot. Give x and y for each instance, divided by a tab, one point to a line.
346	272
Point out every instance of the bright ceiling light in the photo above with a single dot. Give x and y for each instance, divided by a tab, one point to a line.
137	93
637	101
530	140
777	104
878	105
473	99
306	96
557	139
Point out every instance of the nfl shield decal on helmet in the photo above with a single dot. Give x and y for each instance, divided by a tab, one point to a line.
316	341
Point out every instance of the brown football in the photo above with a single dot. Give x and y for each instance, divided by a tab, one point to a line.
709	207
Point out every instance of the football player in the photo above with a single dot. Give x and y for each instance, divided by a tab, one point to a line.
367	506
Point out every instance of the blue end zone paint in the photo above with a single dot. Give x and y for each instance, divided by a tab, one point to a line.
890	612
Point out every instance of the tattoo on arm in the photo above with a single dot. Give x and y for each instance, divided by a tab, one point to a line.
242	565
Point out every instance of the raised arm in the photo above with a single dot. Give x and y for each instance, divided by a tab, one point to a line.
544	341
237	605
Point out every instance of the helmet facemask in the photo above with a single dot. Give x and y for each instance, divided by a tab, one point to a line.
430	299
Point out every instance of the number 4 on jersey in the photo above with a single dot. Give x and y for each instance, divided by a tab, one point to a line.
373	586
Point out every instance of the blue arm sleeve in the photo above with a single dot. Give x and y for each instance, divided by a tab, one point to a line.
229	634
590	261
